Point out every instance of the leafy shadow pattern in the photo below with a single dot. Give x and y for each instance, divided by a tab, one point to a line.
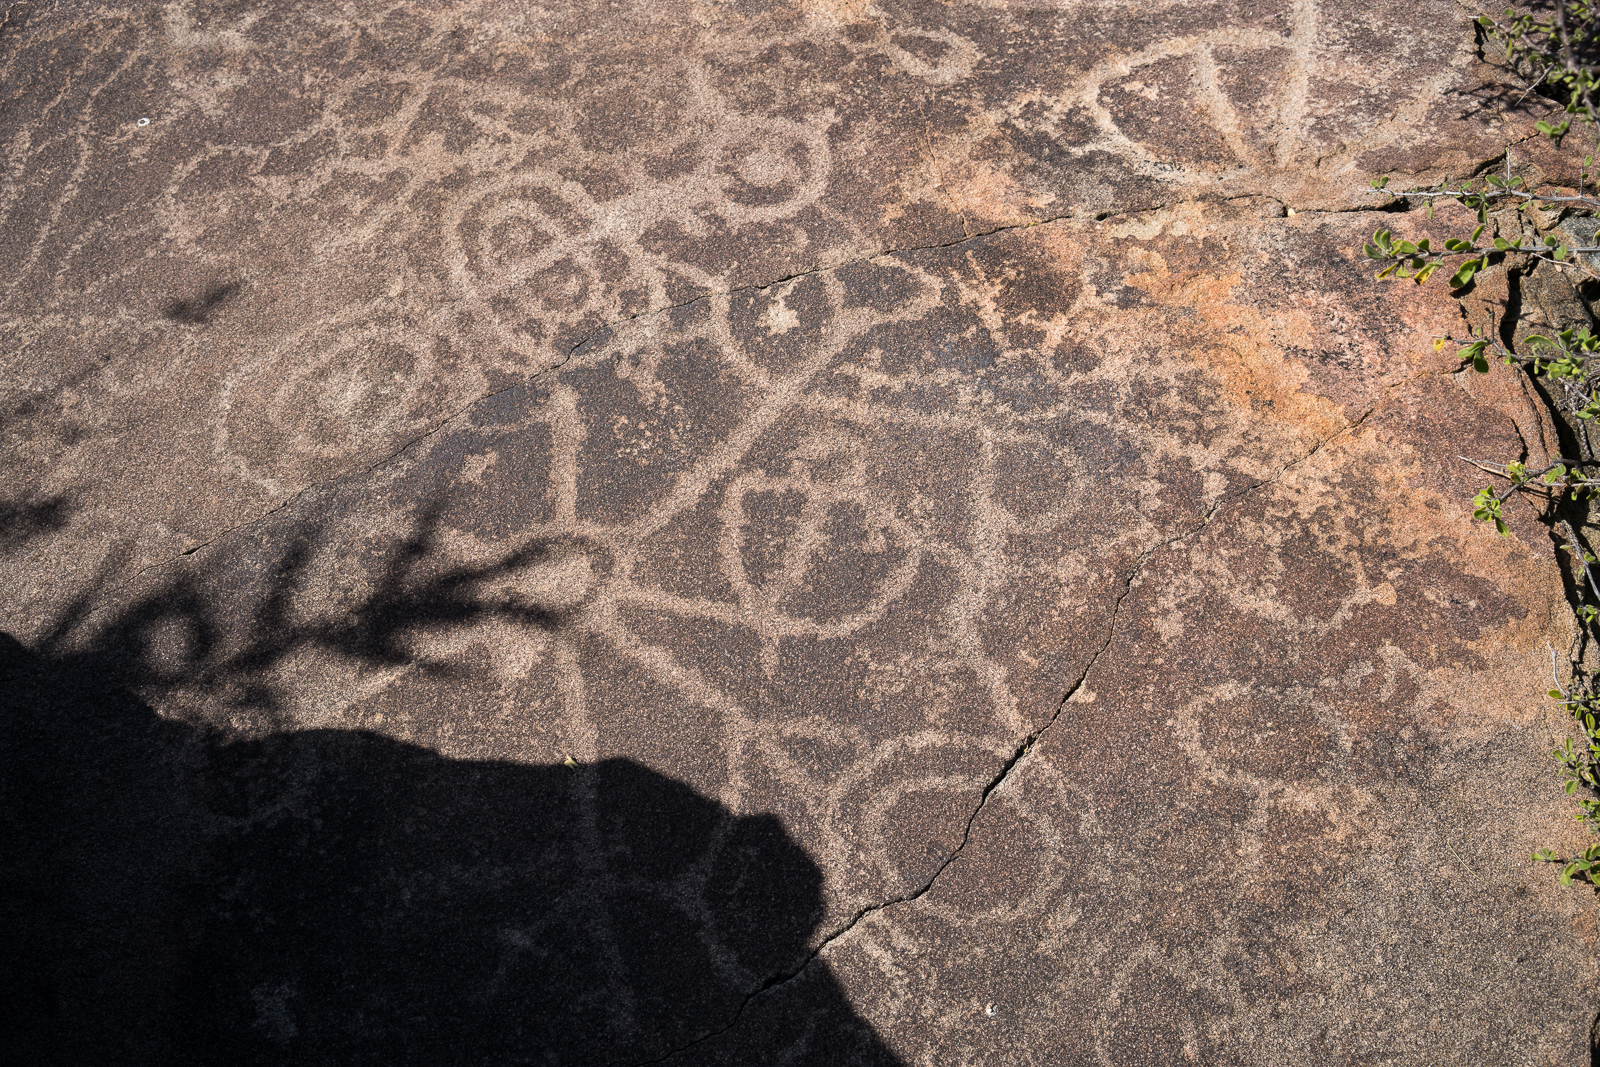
178	894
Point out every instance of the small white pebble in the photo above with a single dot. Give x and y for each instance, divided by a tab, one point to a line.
989	1011
143	122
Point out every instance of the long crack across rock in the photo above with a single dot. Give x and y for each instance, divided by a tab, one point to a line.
883	253
1026	745
600	331
1022	749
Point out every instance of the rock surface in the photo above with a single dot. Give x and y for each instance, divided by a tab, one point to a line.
708	533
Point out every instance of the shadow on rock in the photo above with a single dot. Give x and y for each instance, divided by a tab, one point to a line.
22	521
223	632
197	311
174	895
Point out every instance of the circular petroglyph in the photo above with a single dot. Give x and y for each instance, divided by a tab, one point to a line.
526	252
765	168
832	565
908	825
508	234
326	393
553	255
1017	873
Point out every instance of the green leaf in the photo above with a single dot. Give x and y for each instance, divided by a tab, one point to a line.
1502	245
1379	183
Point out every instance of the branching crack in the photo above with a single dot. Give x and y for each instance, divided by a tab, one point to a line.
1022	749
1026	745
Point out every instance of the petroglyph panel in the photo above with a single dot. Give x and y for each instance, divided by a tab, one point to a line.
950	455
392	215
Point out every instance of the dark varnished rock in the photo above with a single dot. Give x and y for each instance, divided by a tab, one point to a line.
941	473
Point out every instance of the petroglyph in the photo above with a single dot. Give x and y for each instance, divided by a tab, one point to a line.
922	433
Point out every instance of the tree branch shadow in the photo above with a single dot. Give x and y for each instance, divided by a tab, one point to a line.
176	893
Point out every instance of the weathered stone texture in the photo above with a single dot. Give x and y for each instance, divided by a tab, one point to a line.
941	472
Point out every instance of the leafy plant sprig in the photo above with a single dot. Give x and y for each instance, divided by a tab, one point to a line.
1562	54
1582	866
1580	770
1559	478
1562	359
1418	260
1558	55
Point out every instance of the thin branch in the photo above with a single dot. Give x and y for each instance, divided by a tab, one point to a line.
1554	677
1582	558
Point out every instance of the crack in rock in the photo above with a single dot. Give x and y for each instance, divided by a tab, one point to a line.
882	253
599	332
1026	745
1350	427
1022	749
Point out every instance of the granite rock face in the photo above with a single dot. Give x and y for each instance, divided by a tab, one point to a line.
715	533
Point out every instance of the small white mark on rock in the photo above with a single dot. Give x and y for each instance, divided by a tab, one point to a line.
143	122
989	1011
